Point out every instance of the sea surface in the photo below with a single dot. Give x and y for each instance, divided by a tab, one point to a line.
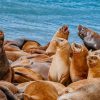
40	19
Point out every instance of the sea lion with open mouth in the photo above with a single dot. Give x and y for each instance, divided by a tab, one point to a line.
63	32
93	61
6	72
90	38
78	67
59	69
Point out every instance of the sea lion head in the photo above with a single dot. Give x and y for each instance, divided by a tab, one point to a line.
84	32
93	59
63	32
79	50
62	43
64	47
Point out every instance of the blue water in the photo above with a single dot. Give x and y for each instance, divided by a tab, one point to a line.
40	19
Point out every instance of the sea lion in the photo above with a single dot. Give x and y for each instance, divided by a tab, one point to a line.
6	72
9	91
14	55
90	38
59	69
87	89
25	74
63	32
20	44
78	67
40	90
37	62
59	87
93	61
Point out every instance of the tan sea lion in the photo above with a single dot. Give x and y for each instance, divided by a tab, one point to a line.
78	67
59	69
6	72
25	74
40	90
93	61
63	32
87	89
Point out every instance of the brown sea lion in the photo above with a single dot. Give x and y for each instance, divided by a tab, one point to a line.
63	32
90	38
6	73
25	74
78	67
93	61
87	89
20	44
40	90
14	55
59	87
59	69
37	62
9	91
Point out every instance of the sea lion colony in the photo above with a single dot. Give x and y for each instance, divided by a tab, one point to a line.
56	71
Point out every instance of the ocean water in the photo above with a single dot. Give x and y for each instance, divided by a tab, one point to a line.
40	19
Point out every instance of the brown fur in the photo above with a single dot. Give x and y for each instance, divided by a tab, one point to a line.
37	62
40	90
90	38
63	32
30	44
93	61
59	69
14	55
87	89
78	68
25	74
6	72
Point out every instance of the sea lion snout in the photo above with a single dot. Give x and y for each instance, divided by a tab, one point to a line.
82	31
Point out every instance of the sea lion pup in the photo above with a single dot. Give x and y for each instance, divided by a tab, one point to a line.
78	67
90	38
93	61
63	32
59	69
83	90
25	74
40	90
6	73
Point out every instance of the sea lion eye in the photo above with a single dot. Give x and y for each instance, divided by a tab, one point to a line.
93	57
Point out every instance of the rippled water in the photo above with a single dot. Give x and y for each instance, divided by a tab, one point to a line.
40	19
